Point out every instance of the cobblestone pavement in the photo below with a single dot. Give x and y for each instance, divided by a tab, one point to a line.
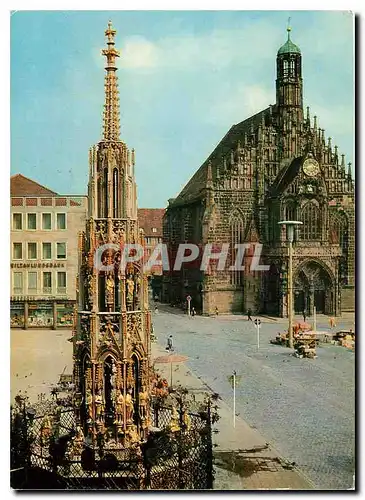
243	460
304	407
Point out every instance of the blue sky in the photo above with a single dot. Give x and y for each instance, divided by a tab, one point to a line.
184	78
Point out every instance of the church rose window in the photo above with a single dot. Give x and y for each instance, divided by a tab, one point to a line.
311	223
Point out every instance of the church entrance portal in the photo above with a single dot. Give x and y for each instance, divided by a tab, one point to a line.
313	286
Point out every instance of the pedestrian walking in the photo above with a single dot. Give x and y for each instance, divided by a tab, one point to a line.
216	310
304	316
193	312
169	344
156	309
249	314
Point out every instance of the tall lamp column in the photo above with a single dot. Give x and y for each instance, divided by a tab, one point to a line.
290	236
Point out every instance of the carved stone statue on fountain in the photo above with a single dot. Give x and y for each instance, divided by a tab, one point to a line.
129	407
137	284
119	408
99	406
175	421
78	441
113	378
46	429
109	290
89	403
130	292
133	436
143	402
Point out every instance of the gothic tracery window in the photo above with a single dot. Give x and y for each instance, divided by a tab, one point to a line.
290	212
339	234
237	236
115	193
311	228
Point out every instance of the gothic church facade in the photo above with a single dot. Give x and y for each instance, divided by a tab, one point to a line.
276	165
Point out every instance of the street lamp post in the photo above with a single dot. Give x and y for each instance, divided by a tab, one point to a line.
290	236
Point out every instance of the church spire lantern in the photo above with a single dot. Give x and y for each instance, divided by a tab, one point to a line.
289	84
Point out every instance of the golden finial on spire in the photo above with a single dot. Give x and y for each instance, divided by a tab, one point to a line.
288	28
110	33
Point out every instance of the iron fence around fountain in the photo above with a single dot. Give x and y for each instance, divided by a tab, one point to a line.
169	460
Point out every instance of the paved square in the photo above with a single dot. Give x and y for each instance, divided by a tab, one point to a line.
304	407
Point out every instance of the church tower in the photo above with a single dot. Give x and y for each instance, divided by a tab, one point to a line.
289	85
112	332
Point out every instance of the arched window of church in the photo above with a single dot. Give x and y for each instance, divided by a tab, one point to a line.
237	235
285	68
290	211
292	68
311	228
339	231
338	234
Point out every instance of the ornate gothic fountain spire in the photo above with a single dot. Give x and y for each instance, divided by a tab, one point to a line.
111	106
112	335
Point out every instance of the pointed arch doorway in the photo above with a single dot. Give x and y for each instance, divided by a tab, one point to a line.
313	286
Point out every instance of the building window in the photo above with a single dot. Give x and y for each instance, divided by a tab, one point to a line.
61	221
17	250
32	221
17	283
32	250
47	251
47	282
18	221
46	221
311	224
290	212
236	238
32	282
154	230
61	250
61	282
339	235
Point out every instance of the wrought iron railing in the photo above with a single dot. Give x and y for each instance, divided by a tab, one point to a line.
176	455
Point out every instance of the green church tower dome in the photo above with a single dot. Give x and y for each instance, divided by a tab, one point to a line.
289	47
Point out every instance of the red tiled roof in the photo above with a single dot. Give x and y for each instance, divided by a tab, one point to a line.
22	186
149	218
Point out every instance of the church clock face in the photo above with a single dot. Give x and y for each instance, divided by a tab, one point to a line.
310	167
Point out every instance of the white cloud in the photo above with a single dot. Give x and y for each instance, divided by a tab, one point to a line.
241	103
334	118
138	52
219	48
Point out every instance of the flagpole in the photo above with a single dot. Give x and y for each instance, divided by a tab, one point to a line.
234	399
